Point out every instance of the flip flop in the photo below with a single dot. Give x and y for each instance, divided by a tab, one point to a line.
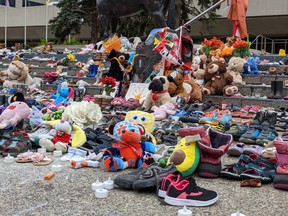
23	158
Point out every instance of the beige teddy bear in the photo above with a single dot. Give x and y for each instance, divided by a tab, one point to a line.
199	76
235	67
17	73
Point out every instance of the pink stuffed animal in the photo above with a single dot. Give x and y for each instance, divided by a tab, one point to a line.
14	113
161	112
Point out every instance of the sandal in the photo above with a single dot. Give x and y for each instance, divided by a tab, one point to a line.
40	159
23	158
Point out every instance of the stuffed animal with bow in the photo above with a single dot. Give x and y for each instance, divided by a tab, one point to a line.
158	94
129	151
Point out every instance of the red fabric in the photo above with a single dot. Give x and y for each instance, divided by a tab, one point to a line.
155	94
65	138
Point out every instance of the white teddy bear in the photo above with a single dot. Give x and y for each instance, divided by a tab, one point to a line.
17	73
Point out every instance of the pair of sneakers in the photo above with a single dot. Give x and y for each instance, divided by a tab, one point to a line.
179	191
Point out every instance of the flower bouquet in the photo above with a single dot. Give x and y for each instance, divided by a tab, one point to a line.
109	84
241	48
227	53
212	44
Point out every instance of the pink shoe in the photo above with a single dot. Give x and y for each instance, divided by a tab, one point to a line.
285	98
246	108
254	109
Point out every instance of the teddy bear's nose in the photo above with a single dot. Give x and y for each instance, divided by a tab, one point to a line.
211	66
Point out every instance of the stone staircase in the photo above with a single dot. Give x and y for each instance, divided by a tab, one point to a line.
253	92
257	87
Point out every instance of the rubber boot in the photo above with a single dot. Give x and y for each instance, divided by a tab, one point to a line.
278	90
273	88
212	147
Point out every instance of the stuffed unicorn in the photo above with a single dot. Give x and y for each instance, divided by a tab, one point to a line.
35	117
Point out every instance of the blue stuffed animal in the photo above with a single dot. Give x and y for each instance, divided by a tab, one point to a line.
129	151
62	93
250	66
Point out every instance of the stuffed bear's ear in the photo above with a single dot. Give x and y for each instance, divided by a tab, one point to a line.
141	129
111	129
162	80
152	76
170	78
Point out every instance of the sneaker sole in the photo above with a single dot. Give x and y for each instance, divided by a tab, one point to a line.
161	193
208	170
261	178
230	175
280	181
186	202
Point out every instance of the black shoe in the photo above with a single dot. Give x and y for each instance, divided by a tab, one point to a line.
258	119
237	130
126	180
152	176
187	193
269	120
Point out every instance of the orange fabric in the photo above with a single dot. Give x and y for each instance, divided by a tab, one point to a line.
237	14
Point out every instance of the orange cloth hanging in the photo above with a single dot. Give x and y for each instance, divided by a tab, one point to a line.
237	14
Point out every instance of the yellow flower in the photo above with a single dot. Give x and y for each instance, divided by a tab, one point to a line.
71	57
227	51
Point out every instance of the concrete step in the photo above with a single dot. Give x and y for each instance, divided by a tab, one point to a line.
242	101
72	79
259	79
89	90
260	90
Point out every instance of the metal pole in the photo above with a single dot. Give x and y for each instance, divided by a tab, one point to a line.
6	10
203	13
25	26
46	23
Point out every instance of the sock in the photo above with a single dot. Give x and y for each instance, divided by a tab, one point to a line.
80	164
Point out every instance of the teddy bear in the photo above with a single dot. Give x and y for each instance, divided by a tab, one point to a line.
199	76
176	87
163	111
129	151
235	67
217	79
158	94
61	137
17	73
14	113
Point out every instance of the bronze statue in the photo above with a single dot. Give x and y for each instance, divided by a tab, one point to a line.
112	10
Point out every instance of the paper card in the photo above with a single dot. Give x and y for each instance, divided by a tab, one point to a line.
137	91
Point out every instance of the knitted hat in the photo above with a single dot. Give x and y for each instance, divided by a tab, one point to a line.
63	126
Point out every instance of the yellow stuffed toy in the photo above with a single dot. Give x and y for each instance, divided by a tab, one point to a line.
145	119
186	155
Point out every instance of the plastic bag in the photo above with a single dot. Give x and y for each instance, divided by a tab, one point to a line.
112	43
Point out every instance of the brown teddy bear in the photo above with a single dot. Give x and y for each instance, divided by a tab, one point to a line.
217	79
177	87
235	67
158	94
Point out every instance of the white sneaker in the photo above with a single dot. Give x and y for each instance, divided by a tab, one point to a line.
80	155
42	132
